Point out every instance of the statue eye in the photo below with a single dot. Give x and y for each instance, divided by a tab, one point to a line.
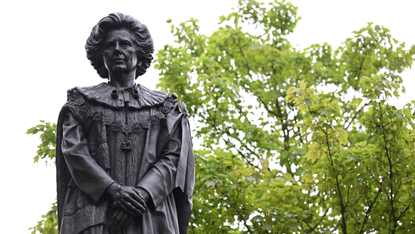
109	45
126	43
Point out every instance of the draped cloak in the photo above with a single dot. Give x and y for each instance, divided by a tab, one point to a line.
132	136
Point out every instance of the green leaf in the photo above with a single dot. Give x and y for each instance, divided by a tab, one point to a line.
210	183
303	84
343	136
311	155
308	178
356	102
292	225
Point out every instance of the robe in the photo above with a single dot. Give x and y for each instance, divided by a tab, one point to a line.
132	136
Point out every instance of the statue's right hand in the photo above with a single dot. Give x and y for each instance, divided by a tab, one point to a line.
127	198
118	219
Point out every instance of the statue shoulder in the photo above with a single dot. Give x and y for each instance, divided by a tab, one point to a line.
89	92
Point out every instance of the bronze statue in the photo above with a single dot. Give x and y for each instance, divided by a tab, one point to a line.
123	152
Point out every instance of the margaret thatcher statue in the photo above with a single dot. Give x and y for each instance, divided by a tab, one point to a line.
124	153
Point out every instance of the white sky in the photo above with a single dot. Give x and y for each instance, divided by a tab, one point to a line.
42	55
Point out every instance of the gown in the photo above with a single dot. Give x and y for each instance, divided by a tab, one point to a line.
132	136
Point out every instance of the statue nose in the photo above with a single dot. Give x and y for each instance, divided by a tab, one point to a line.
117	47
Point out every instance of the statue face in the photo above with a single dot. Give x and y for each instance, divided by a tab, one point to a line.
120	53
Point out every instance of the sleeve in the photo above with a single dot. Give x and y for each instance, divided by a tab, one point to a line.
90	178
160	179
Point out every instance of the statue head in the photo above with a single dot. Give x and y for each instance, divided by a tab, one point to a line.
141	38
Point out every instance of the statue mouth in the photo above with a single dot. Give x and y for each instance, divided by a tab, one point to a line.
118	60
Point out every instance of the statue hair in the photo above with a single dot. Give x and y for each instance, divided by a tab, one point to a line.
142	39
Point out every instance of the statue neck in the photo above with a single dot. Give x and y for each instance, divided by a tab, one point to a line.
122	80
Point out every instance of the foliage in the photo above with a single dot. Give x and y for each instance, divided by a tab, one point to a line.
291	141
48	224
46	150
294	140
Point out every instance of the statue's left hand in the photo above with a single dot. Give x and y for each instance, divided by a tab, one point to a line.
128	198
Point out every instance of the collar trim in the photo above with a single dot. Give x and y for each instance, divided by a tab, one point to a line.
101	93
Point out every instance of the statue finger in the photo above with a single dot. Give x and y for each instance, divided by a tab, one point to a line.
125	221
118	217
134	206
131	195
135	210
113	206
137	197
112	221
128	209
138	204
112	216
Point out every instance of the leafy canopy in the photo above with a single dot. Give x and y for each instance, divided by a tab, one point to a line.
294	140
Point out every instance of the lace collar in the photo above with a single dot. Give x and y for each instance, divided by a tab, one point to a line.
138	96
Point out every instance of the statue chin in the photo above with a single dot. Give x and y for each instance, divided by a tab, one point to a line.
118	69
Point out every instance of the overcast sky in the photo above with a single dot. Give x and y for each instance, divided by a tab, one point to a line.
42	55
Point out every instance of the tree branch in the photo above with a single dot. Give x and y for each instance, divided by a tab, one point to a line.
391	195
237	210
370	208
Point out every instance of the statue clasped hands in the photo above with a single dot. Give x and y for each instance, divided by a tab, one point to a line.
128	203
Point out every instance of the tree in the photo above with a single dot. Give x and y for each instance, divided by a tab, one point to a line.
46	151
292	141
